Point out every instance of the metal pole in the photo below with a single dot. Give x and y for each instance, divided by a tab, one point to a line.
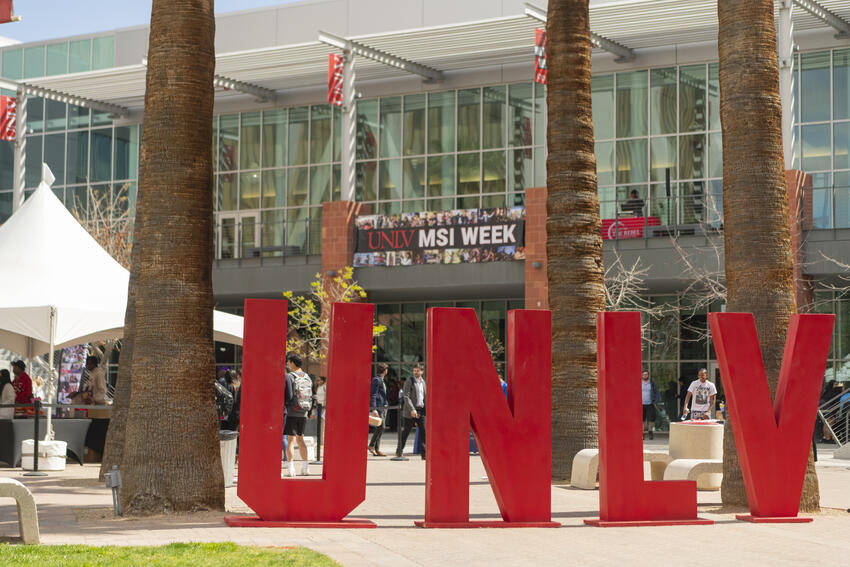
20	151
319	409
785	46
37	410
349	127
48	434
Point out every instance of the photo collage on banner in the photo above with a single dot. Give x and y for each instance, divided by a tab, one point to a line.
462	236
71	372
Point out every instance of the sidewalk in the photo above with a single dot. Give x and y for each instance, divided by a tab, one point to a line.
75	508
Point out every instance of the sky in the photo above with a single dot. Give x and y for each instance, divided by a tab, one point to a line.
50	19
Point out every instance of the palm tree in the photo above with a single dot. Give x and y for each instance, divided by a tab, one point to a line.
171	452
574	233
757	237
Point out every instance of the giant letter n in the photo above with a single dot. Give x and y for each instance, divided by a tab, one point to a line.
625	498
513	434
303	502
773	441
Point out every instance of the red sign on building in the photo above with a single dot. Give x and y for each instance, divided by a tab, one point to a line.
630	227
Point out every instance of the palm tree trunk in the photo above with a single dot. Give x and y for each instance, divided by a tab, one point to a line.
574	234
171	453
757	237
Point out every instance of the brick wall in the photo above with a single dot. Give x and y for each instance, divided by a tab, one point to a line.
536	280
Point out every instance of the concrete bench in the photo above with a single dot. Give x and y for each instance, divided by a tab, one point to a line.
27	516
586	467
708	473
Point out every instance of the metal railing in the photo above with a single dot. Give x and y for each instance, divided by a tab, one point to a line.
649	216
248	236
826	207
835	415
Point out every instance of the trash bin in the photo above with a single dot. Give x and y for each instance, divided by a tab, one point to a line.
227	441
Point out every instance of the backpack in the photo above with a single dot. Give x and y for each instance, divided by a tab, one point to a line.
302	391
223	400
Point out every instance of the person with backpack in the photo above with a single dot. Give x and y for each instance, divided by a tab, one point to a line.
378	407
298	399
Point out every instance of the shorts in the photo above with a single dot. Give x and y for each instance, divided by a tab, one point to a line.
294	425
649	412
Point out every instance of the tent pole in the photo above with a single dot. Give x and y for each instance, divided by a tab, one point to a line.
48	434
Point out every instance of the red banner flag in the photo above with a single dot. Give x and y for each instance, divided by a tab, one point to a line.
6	11
335	74
8	118
540	56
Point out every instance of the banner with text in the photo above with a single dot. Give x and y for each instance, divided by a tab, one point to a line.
463	236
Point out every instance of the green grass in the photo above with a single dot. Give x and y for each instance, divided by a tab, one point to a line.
182	554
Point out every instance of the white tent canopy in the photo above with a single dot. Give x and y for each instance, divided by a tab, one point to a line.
51	262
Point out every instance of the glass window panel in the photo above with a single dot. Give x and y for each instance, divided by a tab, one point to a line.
441	122
692	202
822	200
100	118
337	114
539	114
296	230
55	115
390	180
663	100
298	135
520	169
103	52
494	117
7	160
126	152
604	163
842	199
714	204
631	161
493	172
5	206
34	62
444	204
520	114
497	201
413	332
468	119
337	174
249	190
227	197
78	117
389	343
816	150
274	138
35	113
469	202
76	200
414	125
77	164
468	174
320	184
101	155
715	155
413	206
57	58
662	203
13	63
320	134
814	86
841	145
272	231
54	155
274	188
631	104
413	172
250	141
841	84
297	186
33	161
631	200
367	129
602	92
391	126
664	330
441	176
692	157
79	56
692	98
228	143
662	153
607	202
540	167
366	181
315	230
713	96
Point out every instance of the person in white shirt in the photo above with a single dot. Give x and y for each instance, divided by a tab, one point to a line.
703	393
7	394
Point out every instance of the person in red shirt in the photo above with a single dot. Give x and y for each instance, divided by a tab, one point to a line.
22	383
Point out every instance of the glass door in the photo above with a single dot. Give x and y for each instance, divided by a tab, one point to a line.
237	235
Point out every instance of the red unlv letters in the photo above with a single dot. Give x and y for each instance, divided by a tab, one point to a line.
464	393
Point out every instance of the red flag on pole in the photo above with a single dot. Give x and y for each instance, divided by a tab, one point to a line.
8	118
335	73
540	56
6	11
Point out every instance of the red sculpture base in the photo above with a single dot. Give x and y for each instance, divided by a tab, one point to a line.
641	523
257	522
772	519
485	524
